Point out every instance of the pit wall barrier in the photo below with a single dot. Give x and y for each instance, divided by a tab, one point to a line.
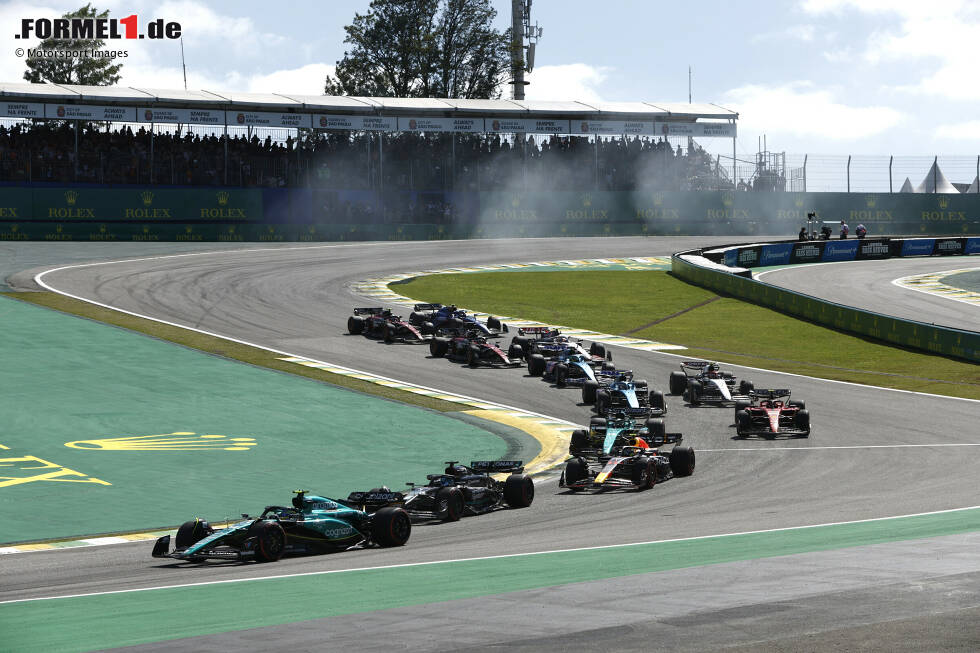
930	338
165	213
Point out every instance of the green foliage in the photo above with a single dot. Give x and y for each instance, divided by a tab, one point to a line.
89	71
423	48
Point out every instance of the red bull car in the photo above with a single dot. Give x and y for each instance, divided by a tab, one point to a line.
769	413
616	453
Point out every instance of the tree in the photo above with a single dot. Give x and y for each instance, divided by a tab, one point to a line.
423	48
86	70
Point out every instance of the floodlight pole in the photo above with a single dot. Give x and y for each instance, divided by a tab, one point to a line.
517	47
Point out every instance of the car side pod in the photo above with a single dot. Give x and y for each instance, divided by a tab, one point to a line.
162	547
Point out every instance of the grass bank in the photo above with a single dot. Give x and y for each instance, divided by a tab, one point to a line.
657	306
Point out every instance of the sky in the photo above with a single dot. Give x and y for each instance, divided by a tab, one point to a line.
831	77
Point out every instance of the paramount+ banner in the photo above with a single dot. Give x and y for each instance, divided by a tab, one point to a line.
135	204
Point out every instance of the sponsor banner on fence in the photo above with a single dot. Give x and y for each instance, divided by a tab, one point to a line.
949	246
269	119
86	112
21	109
512	125
467	125
695	129
181	116
745	257
840	250
356	123
807	252
149	204
918	247
613	127
972	246
778	254
873	249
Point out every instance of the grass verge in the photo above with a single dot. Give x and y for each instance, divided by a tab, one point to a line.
224	348
728	329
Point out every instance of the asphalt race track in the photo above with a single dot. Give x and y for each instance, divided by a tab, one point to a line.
853	467
868	285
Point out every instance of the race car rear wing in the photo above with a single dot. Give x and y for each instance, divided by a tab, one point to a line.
494	466
668	438
376	310
427	307
693	366
375	498
539	331
770	393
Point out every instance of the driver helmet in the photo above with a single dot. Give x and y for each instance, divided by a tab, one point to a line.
456	470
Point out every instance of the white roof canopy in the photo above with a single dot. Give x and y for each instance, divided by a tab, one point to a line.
291	102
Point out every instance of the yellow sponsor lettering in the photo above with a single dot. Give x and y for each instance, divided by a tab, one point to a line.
33	469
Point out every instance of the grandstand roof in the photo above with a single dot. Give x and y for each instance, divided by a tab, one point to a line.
286	102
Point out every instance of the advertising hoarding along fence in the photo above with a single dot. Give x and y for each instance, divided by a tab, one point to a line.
181	116
21	109
89	112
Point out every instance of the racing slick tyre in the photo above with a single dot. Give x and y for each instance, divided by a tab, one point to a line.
682	461
270	541
561	375
656	429
602	401
740	405
678	383
644	473
535	365
449	503
799	403
745	387
493	323
473	356
192	532
387	334
576	470
355	324
579	441
743	423
391	527
657	401
803	422
694	392
427	329
519	490
597	423
589	388
515	352
415	319
438	347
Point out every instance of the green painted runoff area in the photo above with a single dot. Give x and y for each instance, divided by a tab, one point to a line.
65	624
109	431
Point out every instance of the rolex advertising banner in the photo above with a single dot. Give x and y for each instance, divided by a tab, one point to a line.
151	204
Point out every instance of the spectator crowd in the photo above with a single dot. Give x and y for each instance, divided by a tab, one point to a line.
54	152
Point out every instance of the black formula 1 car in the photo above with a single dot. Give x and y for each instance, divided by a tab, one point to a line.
473	349
549	343
702	382
617	454
436	317
377	322
313	524
618	391
458	491
770	413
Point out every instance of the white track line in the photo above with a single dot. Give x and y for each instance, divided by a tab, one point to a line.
495	557
939	289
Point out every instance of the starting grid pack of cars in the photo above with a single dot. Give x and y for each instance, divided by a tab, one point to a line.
623	447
